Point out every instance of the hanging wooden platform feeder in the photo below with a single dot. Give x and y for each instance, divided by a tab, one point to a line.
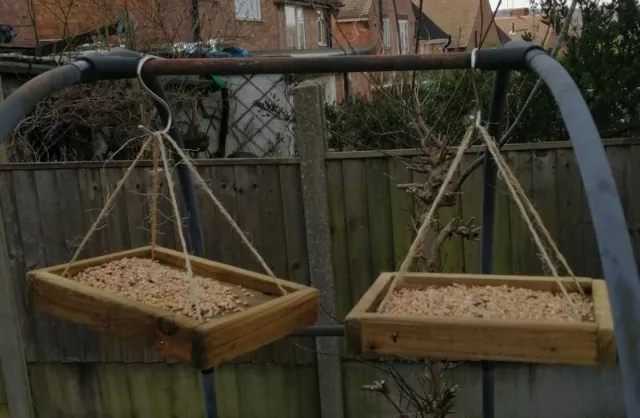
268	316
474	338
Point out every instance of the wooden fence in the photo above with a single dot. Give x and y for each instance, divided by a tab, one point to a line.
74	372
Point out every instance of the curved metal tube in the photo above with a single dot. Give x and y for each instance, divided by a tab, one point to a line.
34	91
614	244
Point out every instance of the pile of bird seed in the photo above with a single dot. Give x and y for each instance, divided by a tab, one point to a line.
149	282
490	302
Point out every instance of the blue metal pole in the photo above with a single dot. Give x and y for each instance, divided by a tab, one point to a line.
498	97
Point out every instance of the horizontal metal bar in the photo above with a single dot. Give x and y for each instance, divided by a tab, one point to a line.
511	58
320	331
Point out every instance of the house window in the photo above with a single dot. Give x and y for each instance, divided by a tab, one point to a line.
403	30
294	21
248	10
321	36
386	33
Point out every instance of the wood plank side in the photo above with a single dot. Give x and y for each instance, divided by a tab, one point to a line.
374	295
367	303
102	311
474	339
607	349
223	339
229	274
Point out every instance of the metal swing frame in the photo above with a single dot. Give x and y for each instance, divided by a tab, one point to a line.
614	243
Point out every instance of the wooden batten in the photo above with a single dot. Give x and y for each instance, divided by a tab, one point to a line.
458	338
269	317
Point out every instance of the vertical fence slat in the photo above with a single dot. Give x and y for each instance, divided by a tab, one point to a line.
357	223
401	210
380	218
451	254
249	208
16	261
15	394
186	392
524	252
502	263
92	200
133	191
273	241
54	218
227	390
117	228
340	249
296	245
545	198
76	227
208	215
115	394
570	232
471	207
34	257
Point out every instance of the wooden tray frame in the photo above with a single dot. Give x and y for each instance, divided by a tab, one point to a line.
553	342
204	345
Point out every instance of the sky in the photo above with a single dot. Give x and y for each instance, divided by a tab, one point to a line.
509	4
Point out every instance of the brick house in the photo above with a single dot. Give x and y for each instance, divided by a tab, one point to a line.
256	25
358	23
519	23
455	25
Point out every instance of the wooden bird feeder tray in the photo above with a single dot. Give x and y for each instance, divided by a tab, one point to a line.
269	316
467	338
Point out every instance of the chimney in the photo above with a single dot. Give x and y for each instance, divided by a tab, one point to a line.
523	11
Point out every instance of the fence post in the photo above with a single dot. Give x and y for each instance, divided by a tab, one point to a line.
311	143
12	360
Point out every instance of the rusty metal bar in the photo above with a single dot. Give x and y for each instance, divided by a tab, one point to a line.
490	59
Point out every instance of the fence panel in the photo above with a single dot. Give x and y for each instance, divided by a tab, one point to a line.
74	372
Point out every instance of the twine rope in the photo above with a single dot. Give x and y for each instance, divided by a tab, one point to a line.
176	214
106	208
154	202
424	228
520	197
164	134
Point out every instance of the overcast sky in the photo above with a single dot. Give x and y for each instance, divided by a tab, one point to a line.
509	4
